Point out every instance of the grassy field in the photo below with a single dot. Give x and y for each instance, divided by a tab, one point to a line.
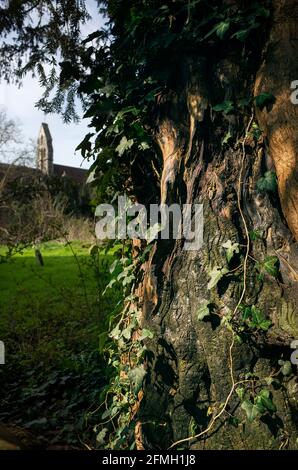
53	319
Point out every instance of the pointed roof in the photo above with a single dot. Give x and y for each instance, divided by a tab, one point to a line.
46	130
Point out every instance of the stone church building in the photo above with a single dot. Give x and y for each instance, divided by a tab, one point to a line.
45	159
44	163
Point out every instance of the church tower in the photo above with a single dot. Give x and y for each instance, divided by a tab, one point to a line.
45	154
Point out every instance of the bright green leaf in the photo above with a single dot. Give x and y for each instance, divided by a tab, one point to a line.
286	368
124	145
231	248
203	310
227	138
146	334
100	438
240	392
215	276
271	265
222	28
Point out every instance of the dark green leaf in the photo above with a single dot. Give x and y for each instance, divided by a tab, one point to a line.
271	265
136	377
225	107
268	182
264	99
264	399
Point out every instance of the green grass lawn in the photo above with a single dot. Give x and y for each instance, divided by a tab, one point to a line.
51	319
45	309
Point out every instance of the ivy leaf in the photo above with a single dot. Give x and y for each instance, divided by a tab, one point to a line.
250	409
225	107
216	274
203	311
259	404
268	182
225	141
246	312
265	325
242	34
255	317
240	392
109	286
222	28
113	266
259	320
269	380
144	146
115	333
264	401
100	438
255	235
106	414
146	334
126	333
264	99
234	421
256	131
124	145
286	368
271	265
231	248
128	280
136	377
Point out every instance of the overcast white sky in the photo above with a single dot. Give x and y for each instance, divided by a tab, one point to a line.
19	104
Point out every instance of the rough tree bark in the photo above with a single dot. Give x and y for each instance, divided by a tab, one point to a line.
189	374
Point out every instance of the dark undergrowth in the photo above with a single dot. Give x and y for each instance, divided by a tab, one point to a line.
54	321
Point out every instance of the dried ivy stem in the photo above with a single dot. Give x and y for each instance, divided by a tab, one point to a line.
240	182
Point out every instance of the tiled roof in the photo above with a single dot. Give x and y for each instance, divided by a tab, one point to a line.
15	171
77	174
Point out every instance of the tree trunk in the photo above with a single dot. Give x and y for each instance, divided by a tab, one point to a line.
195	365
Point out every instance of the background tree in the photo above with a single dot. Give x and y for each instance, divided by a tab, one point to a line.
188	105
13	149
35	36
33	206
